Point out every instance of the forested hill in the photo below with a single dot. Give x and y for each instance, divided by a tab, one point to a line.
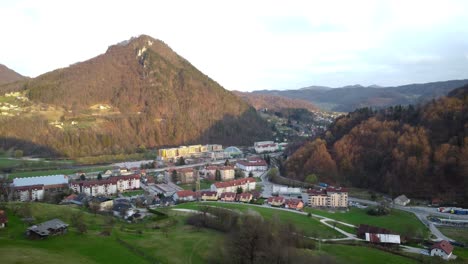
349	98
7	75
138	94
274	102
421	152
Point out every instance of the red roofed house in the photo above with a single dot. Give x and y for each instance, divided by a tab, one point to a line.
209	196
276	201
247	184
254	164
186	195
3	219
296	204
244	197
228	197
442	249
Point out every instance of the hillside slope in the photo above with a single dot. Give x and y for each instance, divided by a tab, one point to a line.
274	102
139	93
421	152
349	98
7	75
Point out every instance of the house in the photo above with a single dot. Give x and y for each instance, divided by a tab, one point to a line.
209	196
105	204
184	175
276	201
34	188
329	197
252	164
106	187
247	184
107	173
265	146
185	196
74	199
383	238
377	235
49	228
3	219
226	172
244	197
295	204
228	197
401	200
442	249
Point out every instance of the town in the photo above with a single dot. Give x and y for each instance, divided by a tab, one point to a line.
184	177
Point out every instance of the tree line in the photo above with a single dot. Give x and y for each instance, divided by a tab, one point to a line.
421	151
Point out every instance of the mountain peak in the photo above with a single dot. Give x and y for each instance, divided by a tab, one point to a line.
8	75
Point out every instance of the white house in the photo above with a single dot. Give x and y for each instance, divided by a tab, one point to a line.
33	188
247	184
442	249
254	164
265	146
108	186
401	200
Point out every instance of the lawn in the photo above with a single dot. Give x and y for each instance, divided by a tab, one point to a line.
204	184
183	244
398	221
133	193
54	172
458	234
310	226
363	255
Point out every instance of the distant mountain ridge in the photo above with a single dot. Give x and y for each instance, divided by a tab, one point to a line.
8	75
139	94
274	102
348	98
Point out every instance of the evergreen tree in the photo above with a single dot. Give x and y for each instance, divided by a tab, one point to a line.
218	175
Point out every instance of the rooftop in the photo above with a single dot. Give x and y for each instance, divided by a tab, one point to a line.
45	180
44	229
443	245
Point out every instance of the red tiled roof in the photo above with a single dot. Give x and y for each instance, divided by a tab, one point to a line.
3	217
293	202
186	193
245	195
208	193
228	195
443	245
237	182
316	192
276	199
30	187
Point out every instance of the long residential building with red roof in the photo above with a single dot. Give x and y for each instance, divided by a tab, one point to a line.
247	184
108	186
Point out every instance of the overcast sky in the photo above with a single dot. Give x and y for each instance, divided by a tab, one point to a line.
252	45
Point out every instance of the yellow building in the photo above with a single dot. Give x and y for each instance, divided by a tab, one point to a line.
194	149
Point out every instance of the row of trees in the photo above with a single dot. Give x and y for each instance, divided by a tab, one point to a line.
420	151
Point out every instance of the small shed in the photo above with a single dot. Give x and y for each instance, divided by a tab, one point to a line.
401	200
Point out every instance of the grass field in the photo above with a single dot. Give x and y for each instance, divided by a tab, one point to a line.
53	172
133	193
204	184
363	255
459	234
310	226
183	243
397	220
